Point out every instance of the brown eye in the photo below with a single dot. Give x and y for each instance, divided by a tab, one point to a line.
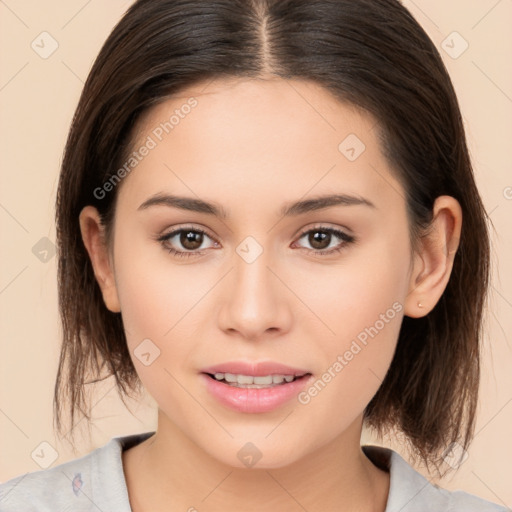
185	241
321	238
191	240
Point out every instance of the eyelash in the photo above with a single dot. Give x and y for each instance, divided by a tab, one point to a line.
347	239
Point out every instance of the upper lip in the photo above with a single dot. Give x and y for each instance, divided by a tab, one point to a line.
254	368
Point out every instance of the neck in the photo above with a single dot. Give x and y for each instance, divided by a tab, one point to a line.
170	472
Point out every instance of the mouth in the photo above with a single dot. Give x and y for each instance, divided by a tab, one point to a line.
255	382
254	386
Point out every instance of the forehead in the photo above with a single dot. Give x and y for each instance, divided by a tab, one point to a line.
270	111
250	138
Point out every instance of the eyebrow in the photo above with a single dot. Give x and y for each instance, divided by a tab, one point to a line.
289	209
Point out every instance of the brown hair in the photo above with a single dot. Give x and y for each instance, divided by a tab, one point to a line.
370	53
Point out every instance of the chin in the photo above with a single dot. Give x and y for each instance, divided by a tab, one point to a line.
257	454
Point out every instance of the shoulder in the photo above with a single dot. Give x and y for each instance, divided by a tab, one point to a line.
92	482
410	491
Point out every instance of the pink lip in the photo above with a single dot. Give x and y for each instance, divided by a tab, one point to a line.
253	400
255	369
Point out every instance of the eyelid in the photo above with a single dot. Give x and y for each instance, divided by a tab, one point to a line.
325	227
185	227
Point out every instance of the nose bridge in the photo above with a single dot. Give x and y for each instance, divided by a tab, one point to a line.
252	286
254	303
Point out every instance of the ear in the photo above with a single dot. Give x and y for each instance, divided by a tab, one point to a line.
93	236
433	260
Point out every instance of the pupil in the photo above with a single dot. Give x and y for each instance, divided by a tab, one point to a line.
318	242
191	239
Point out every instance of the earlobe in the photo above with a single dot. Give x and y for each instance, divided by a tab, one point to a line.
433	261
93	237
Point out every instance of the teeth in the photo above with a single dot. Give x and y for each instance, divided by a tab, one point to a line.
264	380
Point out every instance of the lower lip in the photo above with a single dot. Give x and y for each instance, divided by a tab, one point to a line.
253	400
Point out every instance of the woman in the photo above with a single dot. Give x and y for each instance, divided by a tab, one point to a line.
267	217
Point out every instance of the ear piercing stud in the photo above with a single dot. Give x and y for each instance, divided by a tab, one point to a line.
420	305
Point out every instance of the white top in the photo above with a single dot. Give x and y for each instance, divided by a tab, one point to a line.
95	482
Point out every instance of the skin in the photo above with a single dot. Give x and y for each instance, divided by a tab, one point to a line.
251	146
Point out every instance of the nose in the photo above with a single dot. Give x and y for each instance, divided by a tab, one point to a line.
255	301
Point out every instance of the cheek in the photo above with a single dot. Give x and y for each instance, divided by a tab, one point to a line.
348	297
158	331
354	367
157	300
361	309
156	294
353	373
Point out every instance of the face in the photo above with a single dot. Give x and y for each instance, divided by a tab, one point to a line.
320	290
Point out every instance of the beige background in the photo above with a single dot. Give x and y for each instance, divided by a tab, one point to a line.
37	100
